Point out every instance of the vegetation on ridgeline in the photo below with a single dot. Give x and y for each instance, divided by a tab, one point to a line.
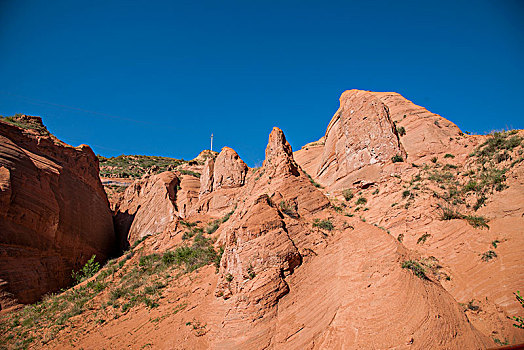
134	166
26	123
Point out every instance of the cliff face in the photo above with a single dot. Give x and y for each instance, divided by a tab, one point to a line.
54	213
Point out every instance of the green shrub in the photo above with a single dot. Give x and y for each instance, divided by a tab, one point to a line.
406	194
212	227
415	267
361	201
289	208
251	272
397	158
148	260
519	321
498	141
448	155
401	131
434	160
471	186
138	241
348	194
323	224
487	256
199	254
90	268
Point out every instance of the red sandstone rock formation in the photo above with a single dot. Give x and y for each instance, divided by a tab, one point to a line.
148	206
305	268
360	134
54	213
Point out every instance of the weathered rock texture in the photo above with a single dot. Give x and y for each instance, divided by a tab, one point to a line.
147	207
360	134
220	183
54	213
229	170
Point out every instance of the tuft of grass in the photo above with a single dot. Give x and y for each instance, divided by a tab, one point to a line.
190	173
323	224
448	155
313	182
401	131
495	243
406	194
227	216
498	141
477	221
422	239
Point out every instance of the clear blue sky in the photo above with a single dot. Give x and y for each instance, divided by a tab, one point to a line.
158	77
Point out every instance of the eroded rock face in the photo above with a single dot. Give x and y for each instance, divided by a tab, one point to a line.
54	213
147	207
279	155
360	134
426	133
206	179
229	170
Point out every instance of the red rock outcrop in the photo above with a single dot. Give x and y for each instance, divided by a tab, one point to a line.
220	183
54	213
229	170
361	134
206	179
425	133
148	206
